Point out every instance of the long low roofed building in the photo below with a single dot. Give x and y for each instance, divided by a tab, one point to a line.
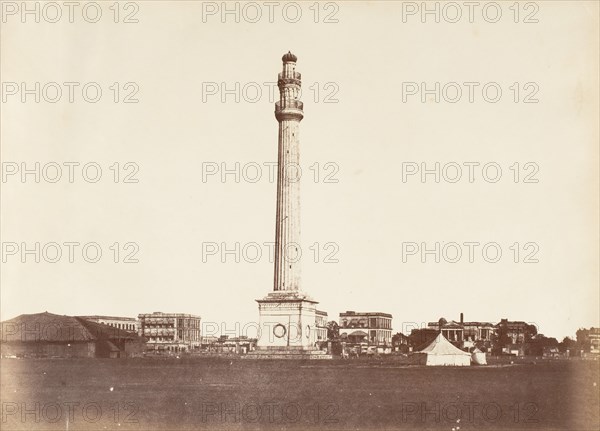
52	335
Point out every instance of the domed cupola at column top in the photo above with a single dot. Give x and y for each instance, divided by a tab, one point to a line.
289	57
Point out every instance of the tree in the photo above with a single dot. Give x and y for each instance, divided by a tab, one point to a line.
501	338
583	339
567	344
419	337
536	345
530	332
400	342
333	331
398	338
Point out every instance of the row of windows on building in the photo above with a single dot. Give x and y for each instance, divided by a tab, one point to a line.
160	339
124	326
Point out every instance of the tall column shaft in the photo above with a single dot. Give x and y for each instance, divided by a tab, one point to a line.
287	232
289	113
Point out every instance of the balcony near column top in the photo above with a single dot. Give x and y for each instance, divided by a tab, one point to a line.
296	75
289	104
289	110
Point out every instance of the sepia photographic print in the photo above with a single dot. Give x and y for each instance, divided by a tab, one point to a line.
297	215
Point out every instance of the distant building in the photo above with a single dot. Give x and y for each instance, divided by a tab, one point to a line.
466	334
207	341
474	332
321	326
127	323
594	337
238	345
368	328
174	332
47	335
452	331
224	344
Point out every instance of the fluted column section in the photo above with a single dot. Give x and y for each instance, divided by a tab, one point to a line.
287	232
289	113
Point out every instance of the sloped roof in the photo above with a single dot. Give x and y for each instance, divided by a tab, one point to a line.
441	346
100	331
48	327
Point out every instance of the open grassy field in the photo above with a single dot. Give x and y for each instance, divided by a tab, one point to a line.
238	394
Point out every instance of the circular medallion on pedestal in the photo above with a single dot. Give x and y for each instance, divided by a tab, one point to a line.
307	331
279	330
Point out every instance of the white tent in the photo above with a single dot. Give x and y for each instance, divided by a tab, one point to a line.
478	357
441	352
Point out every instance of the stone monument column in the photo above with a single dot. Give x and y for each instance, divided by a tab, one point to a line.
289	113
287	325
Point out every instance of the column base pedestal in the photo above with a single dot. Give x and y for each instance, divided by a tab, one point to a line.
287	327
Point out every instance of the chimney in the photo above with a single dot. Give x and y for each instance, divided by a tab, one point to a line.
461	318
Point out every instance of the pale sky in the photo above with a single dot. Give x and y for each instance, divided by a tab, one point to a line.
175	131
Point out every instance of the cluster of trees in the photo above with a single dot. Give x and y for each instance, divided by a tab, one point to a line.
581	342
419	338
502	336
537	342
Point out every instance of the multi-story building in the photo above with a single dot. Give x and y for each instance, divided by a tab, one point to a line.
366	328
170	331
321	326
130	324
